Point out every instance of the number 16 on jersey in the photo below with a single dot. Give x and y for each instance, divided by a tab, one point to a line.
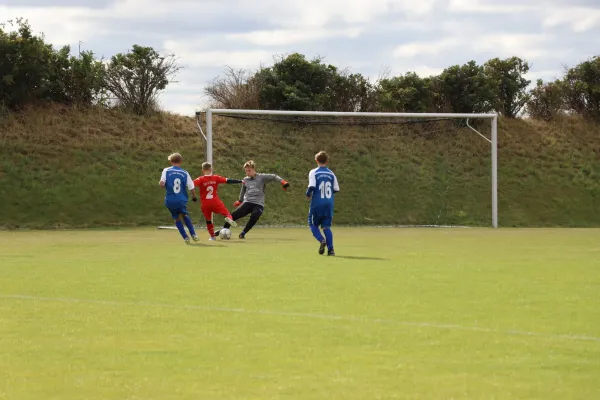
325	184
325	190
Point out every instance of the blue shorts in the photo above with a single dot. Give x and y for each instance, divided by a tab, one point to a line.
322	218
176	208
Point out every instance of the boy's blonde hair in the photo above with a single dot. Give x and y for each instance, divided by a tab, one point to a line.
175	158
250	164
322	157
206	166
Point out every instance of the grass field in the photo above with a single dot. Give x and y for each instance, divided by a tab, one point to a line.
398	314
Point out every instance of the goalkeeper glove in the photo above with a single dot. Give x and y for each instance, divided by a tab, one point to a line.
285	185
237	204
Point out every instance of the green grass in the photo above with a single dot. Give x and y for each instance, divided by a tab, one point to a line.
90	168
399	314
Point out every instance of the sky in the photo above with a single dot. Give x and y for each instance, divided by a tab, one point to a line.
371	37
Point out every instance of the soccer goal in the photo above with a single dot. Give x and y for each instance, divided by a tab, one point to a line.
435	168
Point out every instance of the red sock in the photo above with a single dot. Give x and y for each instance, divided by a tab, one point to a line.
211	229
230	217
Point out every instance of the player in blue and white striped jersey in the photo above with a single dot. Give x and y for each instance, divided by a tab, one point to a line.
322	185
175	180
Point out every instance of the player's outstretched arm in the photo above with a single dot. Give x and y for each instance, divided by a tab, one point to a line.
274	177
222	179
271	177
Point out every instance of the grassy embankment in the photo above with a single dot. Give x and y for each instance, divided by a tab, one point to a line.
70	168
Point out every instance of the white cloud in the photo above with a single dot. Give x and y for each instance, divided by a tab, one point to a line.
579	19
289	14
182	105
143	9
318	13
414	49
480	6
292	36
545	75
60	25
425	71
192	57
528	46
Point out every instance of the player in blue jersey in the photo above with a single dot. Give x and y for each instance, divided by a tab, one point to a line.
175	180
322	185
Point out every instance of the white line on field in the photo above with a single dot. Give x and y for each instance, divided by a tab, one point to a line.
305	315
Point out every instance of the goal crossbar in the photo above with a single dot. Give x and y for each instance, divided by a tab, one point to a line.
493	117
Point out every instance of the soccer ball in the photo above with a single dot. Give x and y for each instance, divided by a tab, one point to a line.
225	234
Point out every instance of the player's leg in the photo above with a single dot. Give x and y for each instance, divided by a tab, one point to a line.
188	222
222	210
210	227
240	212
326	225
175	214
313	223
257	211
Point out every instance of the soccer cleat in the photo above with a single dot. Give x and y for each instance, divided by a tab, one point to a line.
196	238
187	240
322	247
230	222
212	239
242	235
217	233
330	252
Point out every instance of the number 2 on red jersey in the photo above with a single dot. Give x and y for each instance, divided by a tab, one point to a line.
209	192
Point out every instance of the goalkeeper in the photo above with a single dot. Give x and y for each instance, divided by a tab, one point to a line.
252	196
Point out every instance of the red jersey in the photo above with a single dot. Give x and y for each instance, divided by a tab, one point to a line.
208	185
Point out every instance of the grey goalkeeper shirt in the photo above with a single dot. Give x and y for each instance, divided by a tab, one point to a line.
253	189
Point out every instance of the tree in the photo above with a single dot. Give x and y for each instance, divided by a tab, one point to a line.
294	83
582	88
510	87
350	93
546	100
33	71
85	79
466	89
236	89
405	93
137	77
76	80
25	66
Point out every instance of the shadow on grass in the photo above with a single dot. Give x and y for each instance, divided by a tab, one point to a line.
205	245
272	240
361	258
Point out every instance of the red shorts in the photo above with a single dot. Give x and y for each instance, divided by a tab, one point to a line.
216	207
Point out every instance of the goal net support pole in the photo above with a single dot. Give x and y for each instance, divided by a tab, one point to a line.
493	117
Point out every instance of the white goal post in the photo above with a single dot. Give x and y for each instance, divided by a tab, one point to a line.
493	117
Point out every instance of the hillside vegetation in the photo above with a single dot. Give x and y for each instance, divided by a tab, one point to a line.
63	167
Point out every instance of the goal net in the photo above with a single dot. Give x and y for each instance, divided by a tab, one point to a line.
393	169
